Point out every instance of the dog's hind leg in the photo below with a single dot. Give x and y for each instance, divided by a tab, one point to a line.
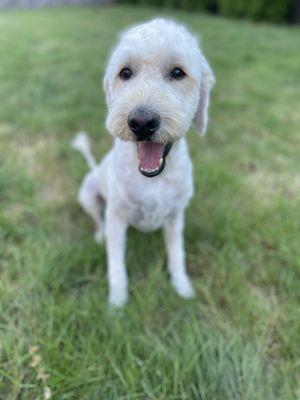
93	203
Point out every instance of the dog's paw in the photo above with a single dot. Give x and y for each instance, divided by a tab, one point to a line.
99	236
117	298
184	287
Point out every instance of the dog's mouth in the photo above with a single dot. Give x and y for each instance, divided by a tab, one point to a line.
152	157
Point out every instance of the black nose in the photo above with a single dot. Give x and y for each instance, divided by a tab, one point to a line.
143	123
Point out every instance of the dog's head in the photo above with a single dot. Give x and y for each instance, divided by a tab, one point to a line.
157	82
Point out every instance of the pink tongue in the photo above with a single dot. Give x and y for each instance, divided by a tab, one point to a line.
150	155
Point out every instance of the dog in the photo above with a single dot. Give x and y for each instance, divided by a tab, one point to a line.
157	82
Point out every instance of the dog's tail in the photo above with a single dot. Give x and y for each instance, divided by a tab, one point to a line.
81	143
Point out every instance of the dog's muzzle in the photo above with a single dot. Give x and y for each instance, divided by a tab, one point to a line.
143	123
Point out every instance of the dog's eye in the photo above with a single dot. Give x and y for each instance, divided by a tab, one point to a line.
177	73
125	74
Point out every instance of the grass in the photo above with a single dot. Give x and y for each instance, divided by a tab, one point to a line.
240	338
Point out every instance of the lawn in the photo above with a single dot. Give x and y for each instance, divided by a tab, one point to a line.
240	338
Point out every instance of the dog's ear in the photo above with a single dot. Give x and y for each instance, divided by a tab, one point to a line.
106	88
207	82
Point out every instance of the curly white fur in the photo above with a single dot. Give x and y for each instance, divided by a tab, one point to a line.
82	144
116	187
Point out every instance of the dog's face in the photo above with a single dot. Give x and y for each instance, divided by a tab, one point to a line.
157	81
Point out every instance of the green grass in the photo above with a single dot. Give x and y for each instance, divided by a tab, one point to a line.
240	338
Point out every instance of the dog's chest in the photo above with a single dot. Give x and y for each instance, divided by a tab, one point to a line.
150	204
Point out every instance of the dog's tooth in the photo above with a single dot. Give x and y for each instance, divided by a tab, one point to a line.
160	161
149	170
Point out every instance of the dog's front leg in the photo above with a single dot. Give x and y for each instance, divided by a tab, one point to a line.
173	233
116	228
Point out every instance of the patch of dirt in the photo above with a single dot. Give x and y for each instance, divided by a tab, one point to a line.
39	156
266	185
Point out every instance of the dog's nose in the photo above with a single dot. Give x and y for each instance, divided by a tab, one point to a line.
143	123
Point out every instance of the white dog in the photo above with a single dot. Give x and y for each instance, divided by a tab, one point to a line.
156	83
